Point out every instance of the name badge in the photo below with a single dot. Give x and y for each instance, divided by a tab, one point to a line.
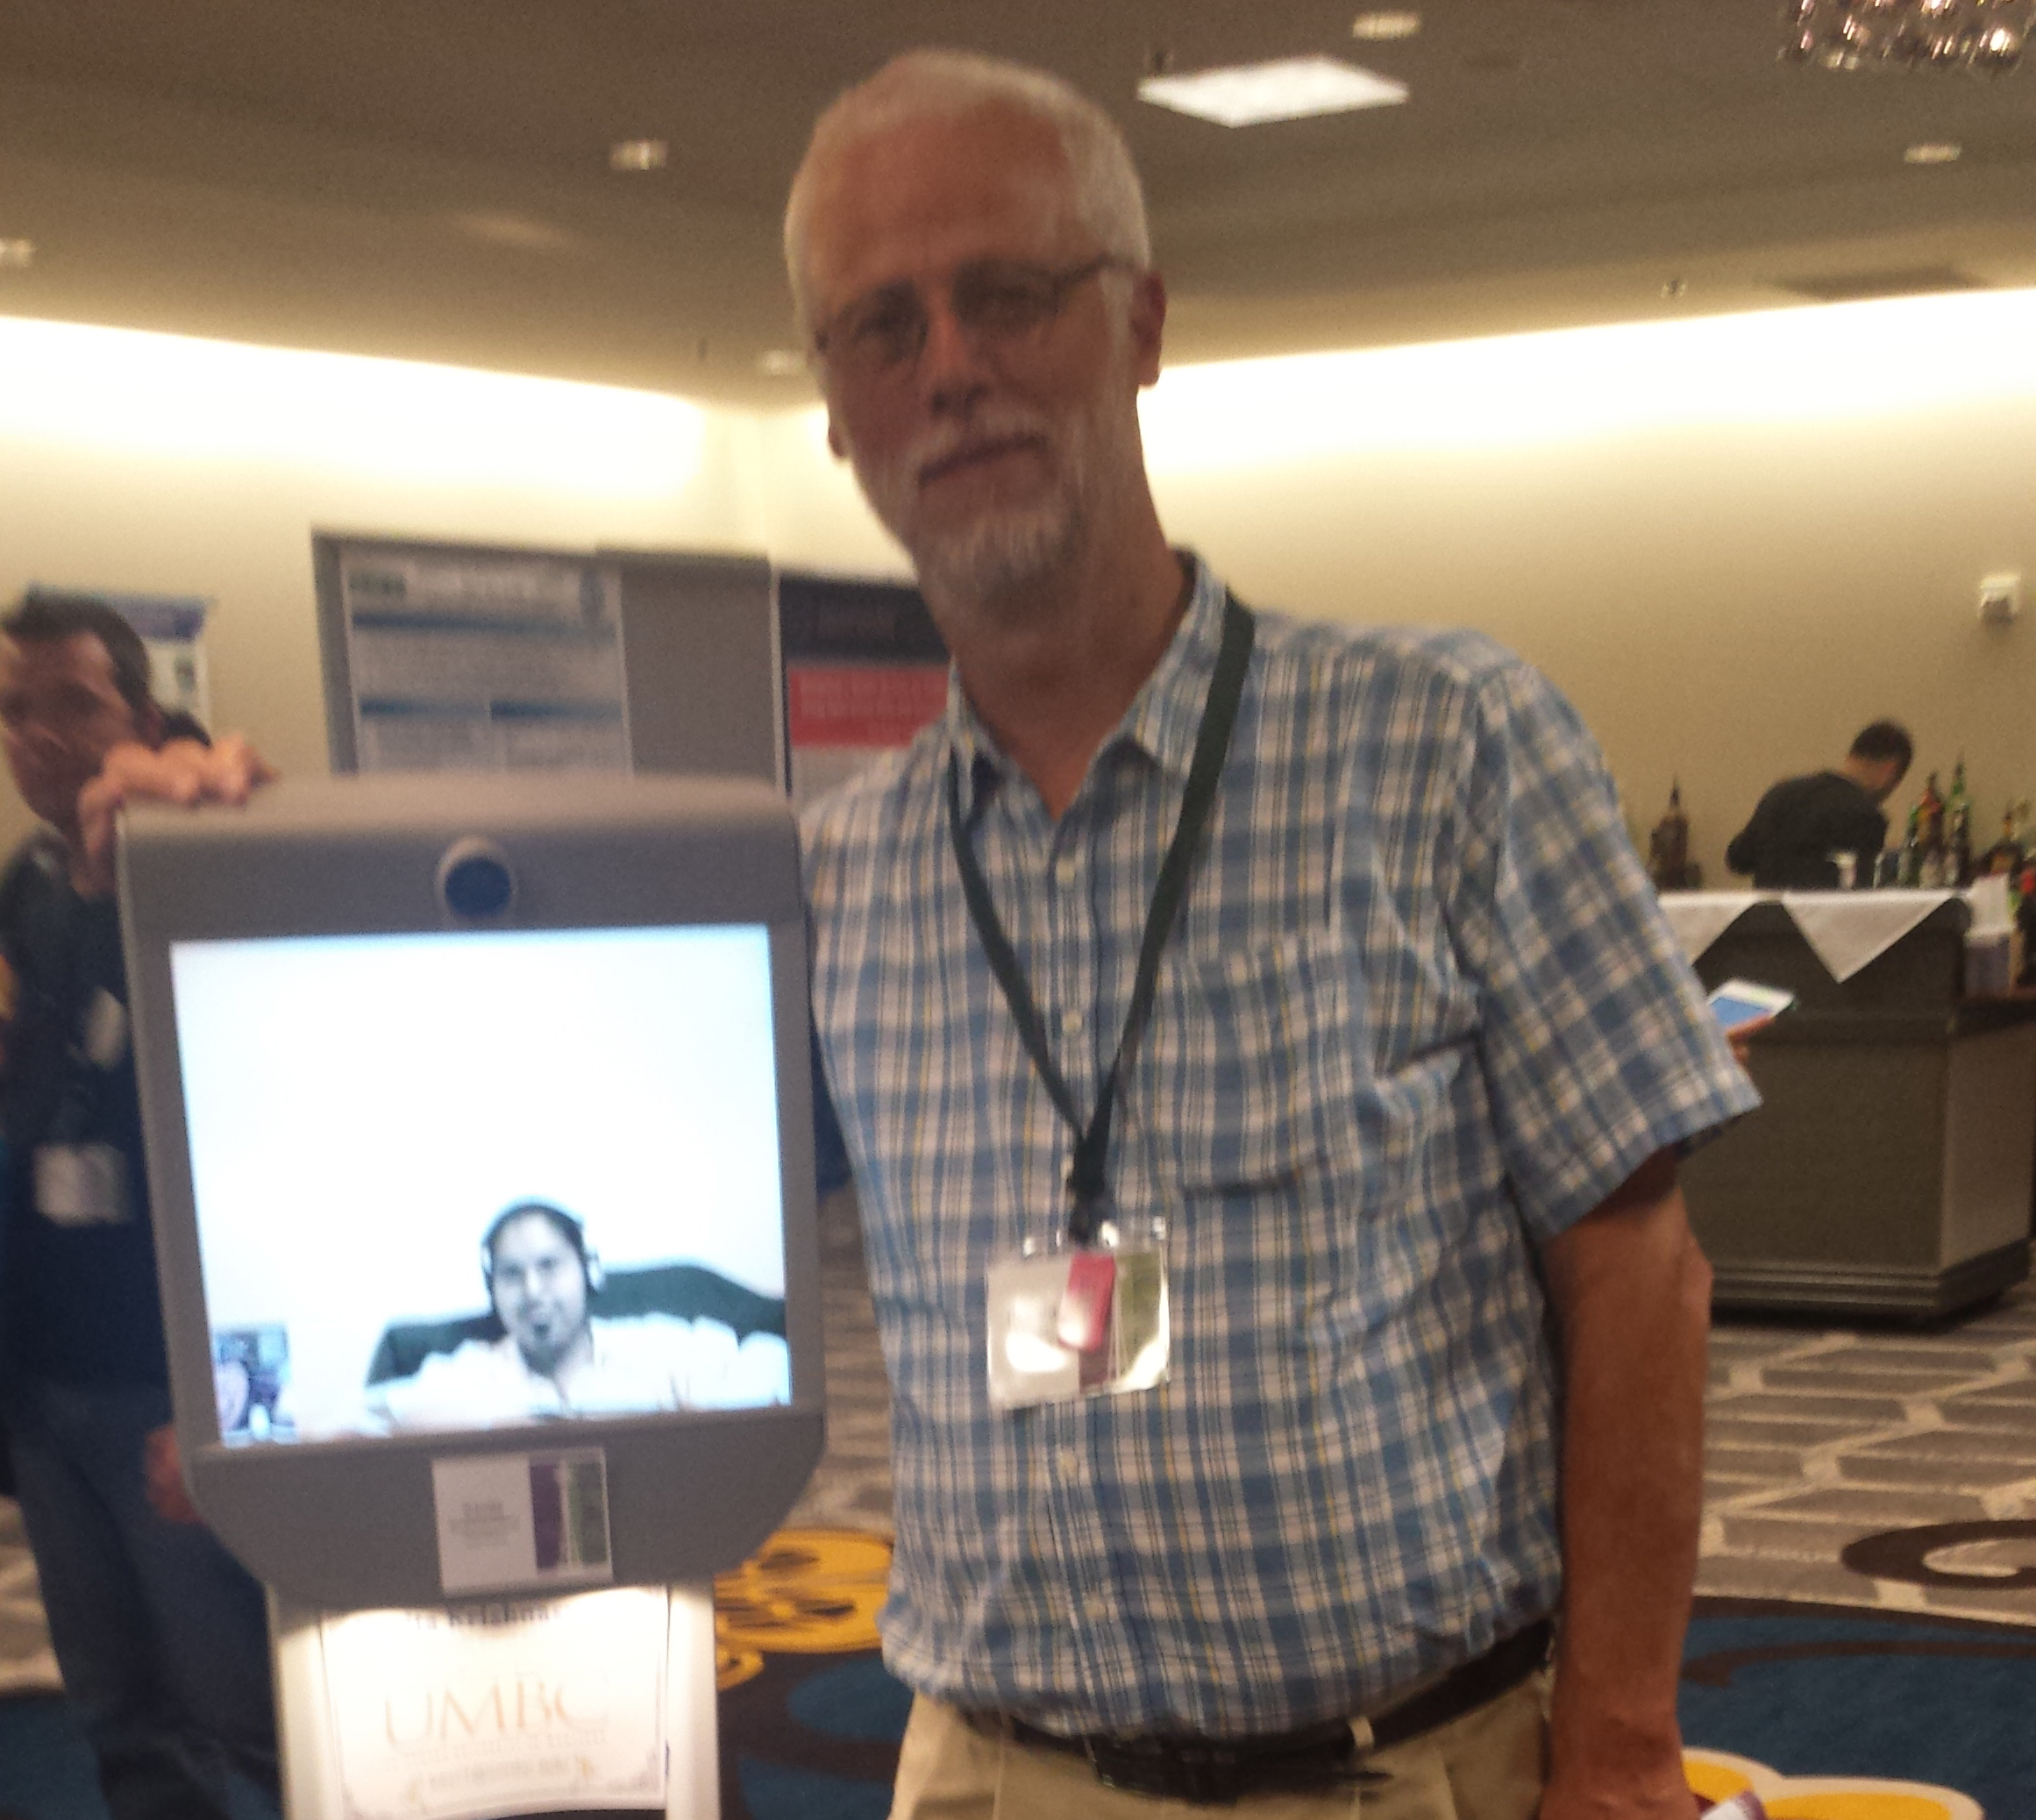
1068	1321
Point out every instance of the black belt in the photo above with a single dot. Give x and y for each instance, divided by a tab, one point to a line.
1220	1772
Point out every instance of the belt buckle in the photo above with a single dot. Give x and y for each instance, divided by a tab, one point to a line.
1199	1772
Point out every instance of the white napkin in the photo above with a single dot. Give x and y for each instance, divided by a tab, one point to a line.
1848	928
1700	917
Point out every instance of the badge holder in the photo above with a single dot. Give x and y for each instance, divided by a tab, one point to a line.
1069	1319
1085	1313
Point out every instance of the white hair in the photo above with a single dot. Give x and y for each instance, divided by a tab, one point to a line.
933	84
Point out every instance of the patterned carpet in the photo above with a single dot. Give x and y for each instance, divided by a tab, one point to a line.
1865	1642
1889	1467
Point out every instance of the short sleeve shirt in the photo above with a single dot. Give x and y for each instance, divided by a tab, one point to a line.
1419	1015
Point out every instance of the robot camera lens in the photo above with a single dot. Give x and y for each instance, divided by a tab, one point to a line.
475	883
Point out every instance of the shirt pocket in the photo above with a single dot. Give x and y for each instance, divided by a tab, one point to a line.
1252	1079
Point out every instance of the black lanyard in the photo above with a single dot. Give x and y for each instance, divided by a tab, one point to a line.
1087	1180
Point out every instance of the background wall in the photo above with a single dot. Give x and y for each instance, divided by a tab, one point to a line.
150	463
1731	542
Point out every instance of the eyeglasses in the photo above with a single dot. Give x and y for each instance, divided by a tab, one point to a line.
995	302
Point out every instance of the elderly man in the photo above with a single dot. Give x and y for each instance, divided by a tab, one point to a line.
161	1634
1262	1066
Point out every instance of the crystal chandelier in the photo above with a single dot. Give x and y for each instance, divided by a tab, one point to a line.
1984	35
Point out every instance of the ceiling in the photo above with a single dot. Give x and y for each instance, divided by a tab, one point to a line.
430	179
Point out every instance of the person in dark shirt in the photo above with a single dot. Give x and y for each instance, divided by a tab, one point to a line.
1801	821
161	1634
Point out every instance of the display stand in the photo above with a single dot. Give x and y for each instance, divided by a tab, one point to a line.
1890	1171
471	1713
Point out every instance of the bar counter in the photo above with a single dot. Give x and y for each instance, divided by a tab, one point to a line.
1890	1170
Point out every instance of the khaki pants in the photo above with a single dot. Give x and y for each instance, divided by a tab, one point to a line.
1488	1764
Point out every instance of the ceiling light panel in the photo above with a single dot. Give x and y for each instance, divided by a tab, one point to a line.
639	155
1291	89
1385	27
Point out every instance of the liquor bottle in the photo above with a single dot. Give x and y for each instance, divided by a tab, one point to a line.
1669	844
2005	858
1958	830
1909	868
1930	807
1930	813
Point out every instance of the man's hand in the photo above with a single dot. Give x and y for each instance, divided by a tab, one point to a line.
1630	1293
1739	1036
162	1470
181	772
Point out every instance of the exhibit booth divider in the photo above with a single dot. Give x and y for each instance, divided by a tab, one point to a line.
444	657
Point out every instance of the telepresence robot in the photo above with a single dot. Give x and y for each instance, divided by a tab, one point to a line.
480	1133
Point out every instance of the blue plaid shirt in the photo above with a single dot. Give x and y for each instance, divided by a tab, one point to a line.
1419	1015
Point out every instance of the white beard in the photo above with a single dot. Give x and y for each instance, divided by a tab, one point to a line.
1003	550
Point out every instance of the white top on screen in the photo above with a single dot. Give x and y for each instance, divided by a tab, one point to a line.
361	1108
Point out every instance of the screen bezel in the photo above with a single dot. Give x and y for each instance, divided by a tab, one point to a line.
349	1521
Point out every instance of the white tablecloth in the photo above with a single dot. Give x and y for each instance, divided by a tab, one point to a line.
1845	929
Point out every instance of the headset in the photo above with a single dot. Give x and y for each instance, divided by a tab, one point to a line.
563	1223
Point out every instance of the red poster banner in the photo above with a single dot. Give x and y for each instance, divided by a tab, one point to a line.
869	706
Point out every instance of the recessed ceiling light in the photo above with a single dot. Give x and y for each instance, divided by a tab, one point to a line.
1292	89
639	155
1932	152
17	255
781	362
1382	27
520	231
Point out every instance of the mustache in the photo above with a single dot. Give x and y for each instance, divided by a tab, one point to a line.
943	441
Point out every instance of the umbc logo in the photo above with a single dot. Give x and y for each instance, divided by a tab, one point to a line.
524	1708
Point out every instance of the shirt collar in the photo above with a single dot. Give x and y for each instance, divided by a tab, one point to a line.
1162	722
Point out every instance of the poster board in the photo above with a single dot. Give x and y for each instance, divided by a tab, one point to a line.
865	669
444	656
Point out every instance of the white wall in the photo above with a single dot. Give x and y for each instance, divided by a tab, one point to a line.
1731	542
156	464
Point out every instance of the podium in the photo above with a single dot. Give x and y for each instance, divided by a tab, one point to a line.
1890	1171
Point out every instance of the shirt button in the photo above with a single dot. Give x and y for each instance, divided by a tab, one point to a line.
1069	1462
1071	1022
1064	870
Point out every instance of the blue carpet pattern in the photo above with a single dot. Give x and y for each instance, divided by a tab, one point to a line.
1867	1608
